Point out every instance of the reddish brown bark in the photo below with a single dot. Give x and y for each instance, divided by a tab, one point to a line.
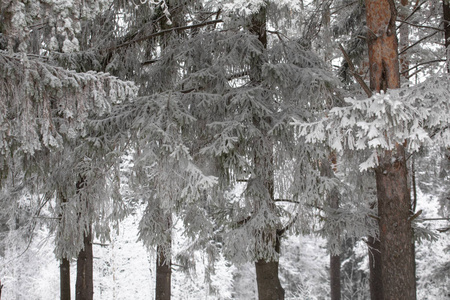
394	199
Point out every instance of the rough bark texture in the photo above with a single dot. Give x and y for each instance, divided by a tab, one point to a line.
64	271
163	276
394	199
396	236
84	288
383	43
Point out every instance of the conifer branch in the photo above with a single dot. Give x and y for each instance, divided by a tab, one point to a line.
162	32
353	72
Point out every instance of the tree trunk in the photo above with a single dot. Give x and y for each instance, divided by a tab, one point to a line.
84	286
446	15
268	282
394	199
269	286
335	277
335	260
64	266
64	271
329	170
404	39
164	265
375	281
163	276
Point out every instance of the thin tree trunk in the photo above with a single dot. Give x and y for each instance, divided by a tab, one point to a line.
64	266
446	15
394	199
84	285
404	39
64	272
164	267
163	276
375	281
329	170
268	282
335	260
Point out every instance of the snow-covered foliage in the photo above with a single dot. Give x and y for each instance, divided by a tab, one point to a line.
228	146
410	115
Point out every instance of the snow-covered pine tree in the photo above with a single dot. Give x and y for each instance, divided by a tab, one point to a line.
45	109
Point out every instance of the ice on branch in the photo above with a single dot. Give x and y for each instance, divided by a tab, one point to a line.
416	116
40	104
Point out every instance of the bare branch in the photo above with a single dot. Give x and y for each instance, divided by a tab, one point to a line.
356	75
421	64
421	26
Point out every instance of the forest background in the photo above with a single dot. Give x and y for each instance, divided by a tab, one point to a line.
224	149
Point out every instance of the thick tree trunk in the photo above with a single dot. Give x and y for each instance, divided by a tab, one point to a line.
64	272
84	287
269	286
394	199
396	236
